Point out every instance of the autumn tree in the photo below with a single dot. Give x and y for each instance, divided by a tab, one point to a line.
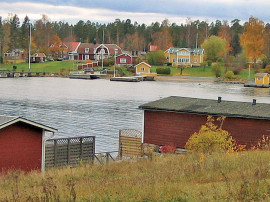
56	47
252	39
163	38
224	33
214	47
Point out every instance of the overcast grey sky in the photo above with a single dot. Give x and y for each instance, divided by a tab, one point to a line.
142	11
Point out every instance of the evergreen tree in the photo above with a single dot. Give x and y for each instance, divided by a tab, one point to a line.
24	34
1	41
14	32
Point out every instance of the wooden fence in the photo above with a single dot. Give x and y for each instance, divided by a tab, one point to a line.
130	142
69	151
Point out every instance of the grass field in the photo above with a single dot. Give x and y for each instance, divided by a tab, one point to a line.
242	176
63	67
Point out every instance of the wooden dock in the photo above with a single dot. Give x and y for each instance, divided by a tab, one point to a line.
81	75
252	84
132	78
126	79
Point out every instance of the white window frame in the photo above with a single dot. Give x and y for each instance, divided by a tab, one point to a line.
195	60
142	69
86	57
86	50
123	60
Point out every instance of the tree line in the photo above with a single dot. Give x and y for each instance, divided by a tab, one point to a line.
129	35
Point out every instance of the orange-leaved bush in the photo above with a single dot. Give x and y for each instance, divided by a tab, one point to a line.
211	138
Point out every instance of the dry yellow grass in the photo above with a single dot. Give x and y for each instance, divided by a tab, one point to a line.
190	177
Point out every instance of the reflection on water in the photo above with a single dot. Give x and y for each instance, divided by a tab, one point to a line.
101	107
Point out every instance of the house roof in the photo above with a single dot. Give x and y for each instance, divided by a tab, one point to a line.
83	46
40	55
143	63
9	120
210	107
261	74
192	50
112	48
125	54
72	46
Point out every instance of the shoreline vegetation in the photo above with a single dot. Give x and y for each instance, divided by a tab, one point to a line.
222	176
62	68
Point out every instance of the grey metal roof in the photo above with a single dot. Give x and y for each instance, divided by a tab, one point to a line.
210	107
9	120
6	119
192	50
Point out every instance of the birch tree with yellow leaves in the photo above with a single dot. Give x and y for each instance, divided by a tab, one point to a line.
252	40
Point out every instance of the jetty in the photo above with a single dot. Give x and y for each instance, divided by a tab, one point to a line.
83	75
253	84
132	78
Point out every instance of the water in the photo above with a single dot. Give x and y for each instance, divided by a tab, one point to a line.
101	107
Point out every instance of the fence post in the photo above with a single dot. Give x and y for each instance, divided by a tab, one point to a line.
81	148
107	158
55	152
68	152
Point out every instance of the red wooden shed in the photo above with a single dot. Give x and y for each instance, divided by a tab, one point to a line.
22	144
172	120
125	59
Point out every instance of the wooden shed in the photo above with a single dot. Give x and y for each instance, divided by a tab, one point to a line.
262	78
22	144
38	57
172	120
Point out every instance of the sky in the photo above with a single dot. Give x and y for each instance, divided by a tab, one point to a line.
141	11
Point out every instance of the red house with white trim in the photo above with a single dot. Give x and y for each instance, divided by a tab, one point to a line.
22	144
125	59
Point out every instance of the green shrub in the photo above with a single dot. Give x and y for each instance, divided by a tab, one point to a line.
229	75
211	138
108	62
209	62
216	68
163	70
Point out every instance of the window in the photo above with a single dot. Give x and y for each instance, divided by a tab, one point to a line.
168	57
123	60
142	69
174	60
86	57
86	50
259	79
195	60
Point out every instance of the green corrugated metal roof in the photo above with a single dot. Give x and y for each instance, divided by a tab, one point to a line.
210	107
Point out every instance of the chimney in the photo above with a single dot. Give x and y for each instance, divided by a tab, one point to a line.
219	100
254	102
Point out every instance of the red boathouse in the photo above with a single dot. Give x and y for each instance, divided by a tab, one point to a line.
172	120
22	144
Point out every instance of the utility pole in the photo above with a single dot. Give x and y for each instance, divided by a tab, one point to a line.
29	56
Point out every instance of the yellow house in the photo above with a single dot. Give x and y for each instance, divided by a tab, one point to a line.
143	69
185	56
262	78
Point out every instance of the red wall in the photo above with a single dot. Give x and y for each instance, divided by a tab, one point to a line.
20	147
127	57
165	128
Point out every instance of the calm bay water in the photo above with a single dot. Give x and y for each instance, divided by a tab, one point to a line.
101	107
